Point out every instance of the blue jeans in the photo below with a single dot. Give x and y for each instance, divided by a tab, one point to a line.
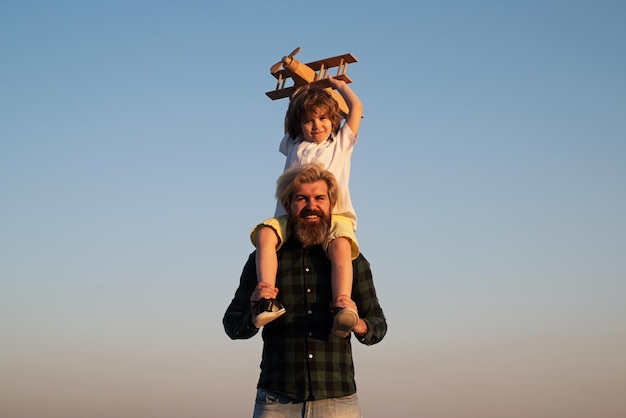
273	405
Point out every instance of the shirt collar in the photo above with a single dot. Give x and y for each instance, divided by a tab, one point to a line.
331	138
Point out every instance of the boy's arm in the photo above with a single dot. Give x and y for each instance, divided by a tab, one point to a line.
353	119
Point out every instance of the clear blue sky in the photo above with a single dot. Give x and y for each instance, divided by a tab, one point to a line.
137	149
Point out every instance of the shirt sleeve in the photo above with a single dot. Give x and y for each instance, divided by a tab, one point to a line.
346	139
237	320
364	295
284	145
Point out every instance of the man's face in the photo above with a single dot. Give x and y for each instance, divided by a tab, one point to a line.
310	213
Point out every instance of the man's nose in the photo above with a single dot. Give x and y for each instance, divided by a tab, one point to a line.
311	204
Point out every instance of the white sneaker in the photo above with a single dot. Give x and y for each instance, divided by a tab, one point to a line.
345	321
266	310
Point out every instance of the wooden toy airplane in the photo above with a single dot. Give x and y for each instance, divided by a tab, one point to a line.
312	73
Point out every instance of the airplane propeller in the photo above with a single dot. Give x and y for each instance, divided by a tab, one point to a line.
276	67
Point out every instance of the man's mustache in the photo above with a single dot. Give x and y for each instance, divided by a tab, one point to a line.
310	212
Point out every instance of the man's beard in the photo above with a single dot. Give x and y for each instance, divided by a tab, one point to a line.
310	233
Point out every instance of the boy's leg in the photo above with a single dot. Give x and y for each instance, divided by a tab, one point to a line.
266	310
266	259
340	254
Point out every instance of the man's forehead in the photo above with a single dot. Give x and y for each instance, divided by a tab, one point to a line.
315	188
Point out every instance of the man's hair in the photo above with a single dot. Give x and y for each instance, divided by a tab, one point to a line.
293	178
305	103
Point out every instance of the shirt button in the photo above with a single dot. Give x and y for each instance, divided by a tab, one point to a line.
306	269
310	334
308	290
309	312
310	355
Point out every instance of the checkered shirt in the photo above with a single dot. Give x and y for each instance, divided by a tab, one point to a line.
300	358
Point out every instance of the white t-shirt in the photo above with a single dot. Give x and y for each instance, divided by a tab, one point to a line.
334	154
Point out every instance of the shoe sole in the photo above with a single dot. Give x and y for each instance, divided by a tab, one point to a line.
344	322
266	317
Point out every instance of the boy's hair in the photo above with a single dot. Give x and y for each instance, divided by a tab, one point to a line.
293	178
305	103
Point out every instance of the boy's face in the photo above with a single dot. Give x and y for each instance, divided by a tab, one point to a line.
317	127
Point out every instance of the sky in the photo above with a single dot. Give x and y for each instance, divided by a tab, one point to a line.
138	149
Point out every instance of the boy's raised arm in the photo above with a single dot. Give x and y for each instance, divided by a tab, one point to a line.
353	118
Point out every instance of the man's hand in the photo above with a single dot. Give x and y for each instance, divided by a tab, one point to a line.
264	291
346	302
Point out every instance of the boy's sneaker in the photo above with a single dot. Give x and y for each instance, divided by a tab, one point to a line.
265	311
345	321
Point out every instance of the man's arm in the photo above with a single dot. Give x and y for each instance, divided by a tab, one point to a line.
237	320
372	325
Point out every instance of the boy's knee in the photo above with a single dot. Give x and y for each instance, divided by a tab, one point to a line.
340	243
340	247
267	235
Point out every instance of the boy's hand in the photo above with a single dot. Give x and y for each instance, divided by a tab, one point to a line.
335	82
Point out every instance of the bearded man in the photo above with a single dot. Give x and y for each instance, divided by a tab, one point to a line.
305	370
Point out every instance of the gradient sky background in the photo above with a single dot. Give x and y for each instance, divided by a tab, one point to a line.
137	149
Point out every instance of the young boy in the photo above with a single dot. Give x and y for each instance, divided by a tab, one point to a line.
314	134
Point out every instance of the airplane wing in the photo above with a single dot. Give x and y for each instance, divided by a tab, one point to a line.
288	91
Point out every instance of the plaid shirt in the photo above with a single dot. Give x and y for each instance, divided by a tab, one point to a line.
300	357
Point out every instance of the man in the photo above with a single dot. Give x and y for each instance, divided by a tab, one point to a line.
306	371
